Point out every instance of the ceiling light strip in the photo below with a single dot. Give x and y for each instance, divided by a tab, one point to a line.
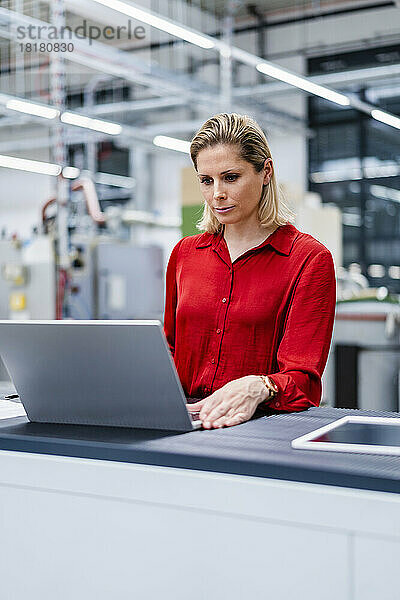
164	141
243	56
88	123
303	83
385	117
32	166
162	23
208	42
31	108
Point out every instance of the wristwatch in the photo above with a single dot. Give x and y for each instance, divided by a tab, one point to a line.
271	387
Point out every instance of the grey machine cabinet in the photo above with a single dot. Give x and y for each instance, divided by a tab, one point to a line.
129	281
364	362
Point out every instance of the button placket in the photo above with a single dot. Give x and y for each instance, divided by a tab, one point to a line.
219	330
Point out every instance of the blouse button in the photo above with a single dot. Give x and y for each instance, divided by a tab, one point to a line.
213	360
218	331
223	299
277	404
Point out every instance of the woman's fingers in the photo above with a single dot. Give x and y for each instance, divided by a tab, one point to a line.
209	404
236	419
234	403
227	420
219	422
215	413
225	416
195	406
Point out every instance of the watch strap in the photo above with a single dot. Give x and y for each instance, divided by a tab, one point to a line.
271	387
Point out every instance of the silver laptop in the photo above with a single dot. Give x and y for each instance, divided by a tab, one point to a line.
112	373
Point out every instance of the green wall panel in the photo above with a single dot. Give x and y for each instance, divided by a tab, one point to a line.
190	215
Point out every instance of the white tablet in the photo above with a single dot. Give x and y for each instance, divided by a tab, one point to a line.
370	435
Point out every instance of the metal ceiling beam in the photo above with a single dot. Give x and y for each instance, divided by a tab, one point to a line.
341	78
105	58
125	140
267	89
31	143
353	76
269	68
135	105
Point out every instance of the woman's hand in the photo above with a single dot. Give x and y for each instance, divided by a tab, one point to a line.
232	404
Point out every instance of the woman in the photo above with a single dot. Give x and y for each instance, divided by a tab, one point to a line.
250	302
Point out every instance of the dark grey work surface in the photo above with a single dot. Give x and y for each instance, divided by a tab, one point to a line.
259	448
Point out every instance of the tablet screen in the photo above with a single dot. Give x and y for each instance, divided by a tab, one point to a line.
379	434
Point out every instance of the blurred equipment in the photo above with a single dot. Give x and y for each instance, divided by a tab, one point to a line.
322	221
364	364
352	285
114	280
27	281
111	274
27	278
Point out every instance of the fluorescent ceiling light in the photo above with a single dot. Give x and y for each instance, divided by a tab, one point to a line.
390	170
115	180
381	115
333	176
171	143
351	220
71	172
376	271
88	123
30	108
384	192
33	166
346	174
140	216
185	33
302	83
394	272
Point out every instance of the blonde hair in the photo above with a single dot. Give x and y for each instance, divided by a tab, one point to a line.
241	131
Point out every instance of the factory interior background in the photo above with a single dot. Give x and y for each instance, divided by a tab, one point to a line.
97	186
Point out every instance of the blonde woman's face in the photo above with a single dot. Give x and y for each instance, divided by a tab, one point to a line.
230	185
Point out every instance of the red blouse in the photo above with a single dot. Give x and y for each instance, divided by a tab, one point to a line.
269	312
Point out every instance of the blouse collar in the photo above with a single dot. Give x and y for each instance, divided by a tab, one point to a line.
281	240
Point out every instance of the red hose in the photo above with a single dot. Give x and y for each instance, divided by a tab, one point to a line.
91	198
61	286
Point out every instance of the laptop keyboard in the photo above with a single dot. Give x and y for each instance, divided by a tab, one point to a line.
195	416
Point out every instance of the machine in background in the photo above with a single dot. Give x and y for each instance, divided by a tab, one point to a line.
115	280
363	369
111	273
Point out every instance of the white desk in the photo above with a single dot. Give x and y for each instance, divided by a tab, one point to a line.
74	528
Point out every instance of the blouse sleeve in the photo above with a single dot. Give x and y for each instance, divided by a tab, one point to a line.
304	347
171	298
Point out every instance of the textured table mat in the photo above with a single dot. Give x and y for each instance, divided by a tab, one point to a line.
259	448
